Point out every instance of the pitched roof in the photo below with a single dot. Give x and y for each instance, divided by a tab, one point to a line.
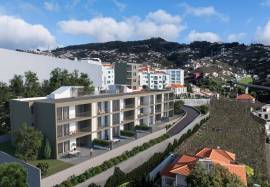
184	164
245	97
176	86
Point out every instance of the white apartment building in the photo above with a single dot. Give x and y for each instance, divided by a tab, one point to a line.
15	62
153	79
176	76
107	75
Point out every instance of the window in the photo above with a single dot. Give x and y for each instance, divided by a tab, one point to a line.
66	146
60	148
59	113
59	131
65	112
66	129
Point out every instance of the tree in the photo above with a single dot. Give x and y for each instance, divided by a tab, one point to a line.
43	166
218	176
16	85
5	95
31	85
117	178
177	106
28	142
47	149
12	175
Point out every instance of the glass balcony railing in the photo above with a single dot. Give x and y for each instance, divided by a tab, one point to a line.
83	114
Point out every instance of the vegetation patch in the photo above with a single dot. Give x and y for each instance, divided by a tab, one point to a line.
103	143
127	133
232	127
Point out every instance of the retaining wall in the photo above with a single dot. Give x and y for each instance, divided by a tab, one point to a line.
196	102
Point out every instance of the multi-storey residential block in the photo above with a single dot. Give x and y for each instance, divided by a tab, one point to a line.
43	65
70	120
153	79
107	75
127	74
176	76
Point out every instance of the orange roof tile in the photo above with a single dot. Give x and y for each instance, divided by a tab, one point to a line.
245	97
186	163
176	86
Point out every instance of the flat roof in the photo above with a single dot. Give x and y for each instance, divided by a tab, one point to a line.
101	96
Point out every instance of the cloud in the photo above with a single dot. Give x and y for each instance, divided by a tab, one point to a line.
208	11
102	29
50	6
263	34
236	37
121	6
16	33
203	36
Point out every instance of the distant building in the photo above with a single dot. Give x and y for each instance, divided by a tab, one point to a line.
176	173
127	74
107	75
153	79
176	76
263	112
43	65
178	89
246	98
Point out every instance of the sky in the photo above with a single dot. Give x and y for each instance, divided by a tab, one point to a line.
47	24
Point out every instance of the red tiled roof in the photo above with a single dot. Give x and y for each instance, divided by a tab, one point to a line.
176	86
245	97
185	164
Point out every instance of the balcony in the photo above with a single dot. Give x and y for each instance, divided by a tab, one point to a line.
75	134
83	114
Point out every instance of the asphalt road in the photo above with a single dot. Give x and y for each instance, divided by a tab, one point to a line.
191	114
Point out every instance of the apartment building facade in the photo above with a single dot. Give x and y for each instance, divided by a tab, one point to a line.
107	76
176	76
127	74
70	121
153	79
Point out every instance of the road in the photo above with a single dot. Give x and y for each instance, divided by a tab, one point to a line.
191	114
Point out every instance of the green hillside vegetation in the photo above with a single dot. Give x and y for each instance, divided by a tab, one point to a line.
232	127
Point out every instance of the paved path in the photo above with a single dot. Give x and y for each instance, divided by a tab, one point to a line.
191	114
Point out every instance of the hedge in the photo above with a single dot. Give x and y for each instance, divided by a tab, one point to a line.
74	180
142	127
103	143
127	133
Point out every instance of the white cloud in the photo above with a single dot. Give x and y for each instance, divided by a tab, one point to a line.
203	36
121	6
236	37
263	34
16	33
102	29
50	6
208	11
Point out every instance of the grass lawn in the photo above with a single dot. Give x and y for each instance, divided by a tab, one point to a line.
54	165
246	80
232	127
7	147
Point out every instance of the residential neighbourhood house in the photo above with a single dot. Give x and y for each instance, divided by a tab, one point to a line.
175	174
70	119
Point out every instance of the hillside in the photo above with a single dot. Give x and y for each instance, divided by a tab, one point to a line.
254	58
231	127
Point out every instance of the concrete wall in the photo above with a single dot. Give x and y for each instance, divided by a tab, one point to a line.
33	173
80	168
196	102
43	65
141	157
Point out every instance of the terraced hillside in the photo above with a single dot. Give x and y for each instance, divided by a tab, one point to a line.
233	128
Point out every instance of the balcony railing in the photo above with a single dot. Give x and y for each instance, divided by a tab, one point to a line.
127	118
127	106
83	114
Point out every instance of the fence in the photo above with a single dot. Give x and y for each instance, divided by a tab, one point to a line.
33	173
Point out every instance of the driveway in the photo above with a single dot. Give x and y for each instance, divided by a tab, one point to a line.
191	114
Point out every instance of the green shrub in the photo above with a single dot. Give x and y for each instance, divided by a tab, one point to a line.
127	133
103	143
142	127
43	166
47	149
